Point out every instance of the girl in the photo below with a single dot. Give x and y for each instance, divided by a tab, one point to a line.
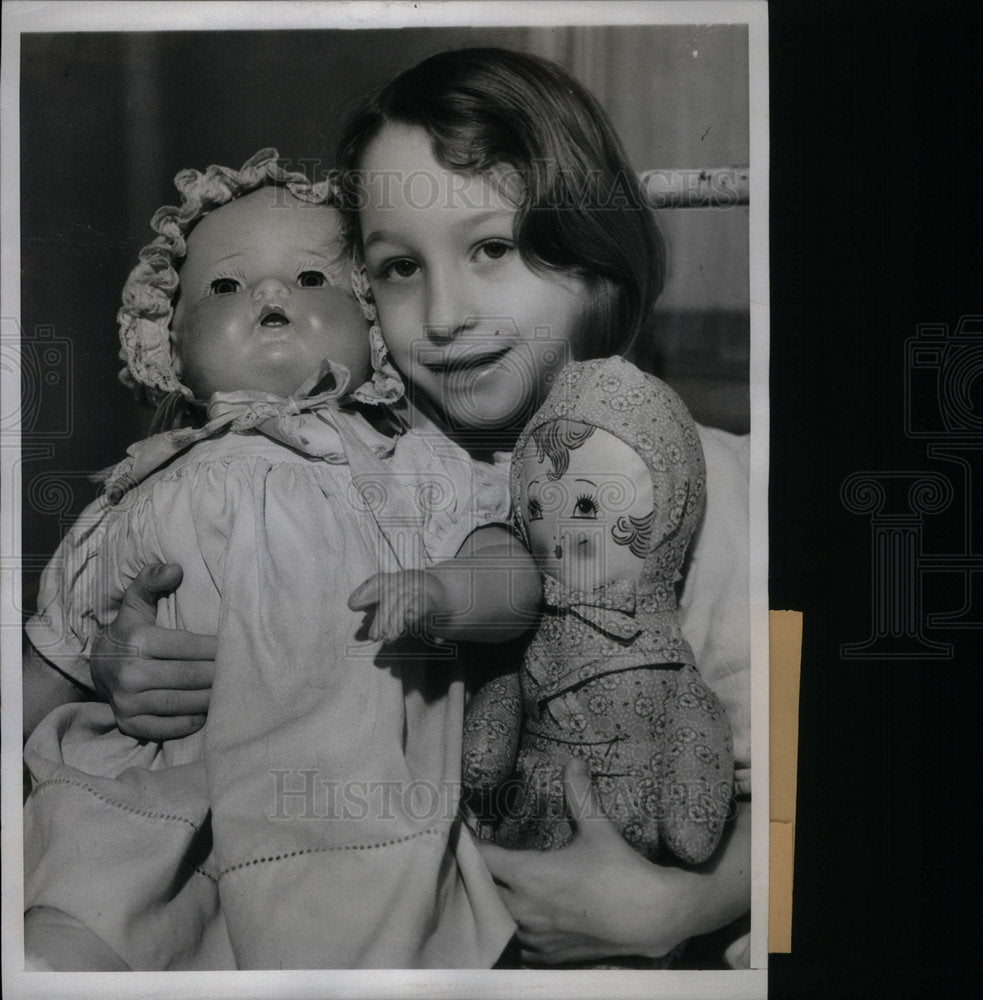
148	856
504	233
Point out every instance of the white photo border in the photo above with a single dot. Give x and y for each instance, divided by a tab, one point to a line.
21	17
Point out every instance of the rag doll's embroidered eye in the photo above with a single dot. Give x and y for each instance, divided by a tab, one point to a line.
535	510
311	279
586	506
224	286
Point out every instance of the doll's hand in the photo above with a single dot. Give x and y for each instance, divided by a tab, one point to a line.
595	898
157	680
404	602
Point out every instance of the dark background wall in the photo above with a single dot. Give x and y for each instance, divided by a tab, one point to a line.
107	120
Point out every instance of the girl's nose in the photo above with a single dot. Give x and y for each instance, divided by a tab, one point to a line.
448	314
270	288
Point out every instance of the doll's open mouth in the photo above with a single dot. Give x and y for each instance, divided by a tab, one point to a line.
273	316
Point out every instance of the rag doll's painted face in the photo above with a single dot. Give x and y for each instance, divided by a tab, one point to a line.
588	505
265	298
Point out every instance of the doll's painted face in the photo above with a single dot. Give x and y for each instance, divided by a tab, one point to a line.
265	298
588	505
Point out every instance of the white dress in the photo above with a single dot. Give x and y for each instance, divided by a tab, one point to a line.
312	823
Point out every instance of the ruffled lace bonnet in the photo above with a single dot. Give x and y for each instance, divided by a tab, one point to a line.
149	295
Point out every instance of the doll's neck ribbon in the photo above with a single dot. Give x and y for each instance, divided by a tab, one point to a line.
311	424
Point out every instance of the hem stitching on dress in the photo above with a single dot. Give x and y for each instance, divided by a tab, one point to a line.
147	813
323	850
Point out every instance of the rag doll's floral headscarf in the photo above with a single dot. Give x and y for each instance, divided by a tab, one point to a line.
615	396
150	293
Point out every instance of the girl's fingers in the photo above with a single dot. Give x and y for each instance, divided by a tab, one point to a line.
500	863
175	644
150	727
172	703
177	675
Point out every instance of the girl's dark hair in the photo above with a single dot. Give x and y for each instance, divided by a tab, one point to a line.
582	208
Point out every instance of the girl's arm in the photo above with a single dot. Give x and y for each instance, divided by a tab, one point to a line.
489	592
45	688
597	897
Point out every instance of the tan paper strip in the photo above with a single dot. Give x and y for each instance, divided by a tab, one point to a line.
786	651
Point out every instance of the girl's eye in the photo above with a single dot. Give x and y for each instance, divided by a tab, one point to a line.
586	506
495	249
535	510
311	279
400	270
224	286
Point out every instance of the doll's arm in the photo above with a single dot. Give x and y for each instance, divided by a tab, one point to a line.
489	592
598	897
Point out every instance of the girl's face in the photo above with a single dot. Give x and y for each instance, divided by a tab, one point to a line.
467	321
266	299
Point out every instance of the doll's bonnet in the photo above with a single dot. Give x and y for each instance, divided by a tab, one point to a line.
150	292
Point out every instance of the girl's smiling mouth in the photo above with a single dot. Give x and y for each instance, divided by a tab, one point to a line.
458	361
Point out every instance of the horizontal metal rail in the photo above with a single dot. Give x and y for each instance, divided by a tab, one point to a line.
694	187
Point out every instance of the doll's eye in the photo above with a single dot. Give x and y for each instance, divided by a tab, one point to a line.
311	279
586	506
535	510
224	286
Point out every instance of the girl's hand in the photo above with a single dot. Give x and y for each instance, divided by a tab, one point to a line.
598	898
157	680
593	899
404	602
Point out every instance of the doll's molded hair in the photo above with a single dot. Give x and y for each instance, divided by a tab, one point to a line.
150	292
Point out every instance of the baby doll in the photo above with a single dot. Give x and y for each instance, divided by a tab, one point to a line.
278	498
608	485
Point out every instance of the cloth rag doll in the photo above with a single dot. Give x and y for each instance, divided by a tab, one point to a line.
608	486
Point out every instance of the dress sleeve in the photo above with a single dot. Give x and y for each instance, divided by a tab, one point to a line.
715	603
73	600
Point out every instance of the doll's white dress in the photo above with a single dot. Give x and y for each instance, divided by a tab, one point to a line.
312	823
